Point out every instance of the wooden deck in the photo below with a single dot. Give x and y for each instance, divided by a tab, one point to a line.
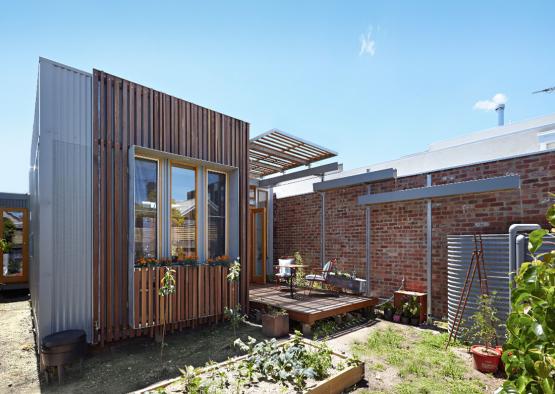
307	308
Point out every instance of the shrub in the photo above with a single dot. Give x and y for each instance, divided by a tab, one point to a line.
529	354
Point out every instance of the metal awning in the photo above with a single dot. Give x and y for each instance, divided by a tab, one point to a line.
277	151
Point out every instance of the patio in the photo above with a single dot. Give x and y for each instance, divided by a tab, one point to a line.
307	308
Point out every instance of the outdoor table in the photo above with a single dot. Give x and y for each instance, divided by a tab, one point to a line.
293	268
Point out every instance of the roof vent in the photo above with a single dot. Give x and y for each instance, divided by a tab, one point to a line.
500	114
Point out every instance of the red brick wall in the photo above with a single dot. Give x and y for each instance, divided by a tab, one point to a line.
398	230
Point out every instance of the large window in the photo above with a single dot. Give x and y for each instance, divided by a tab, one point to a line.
183	212
216	201
146	208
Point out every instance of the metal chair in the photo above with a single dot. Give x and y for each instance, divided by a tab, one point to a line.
322	276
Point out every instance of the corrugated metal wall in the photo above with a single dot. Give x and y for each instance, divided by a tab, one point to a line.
61	200
496	257
13	200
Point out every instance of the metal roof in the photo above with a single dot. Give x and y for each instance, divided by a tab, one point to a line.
276	151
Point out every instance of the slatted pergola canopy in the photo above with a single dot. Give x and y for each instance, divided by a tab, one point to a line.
277	151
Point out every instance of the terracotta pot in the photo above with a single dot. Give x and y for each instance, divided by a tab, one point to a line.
275	325
486	361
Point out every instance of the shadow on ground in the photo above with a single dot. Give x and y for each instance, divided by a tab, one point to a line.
136	363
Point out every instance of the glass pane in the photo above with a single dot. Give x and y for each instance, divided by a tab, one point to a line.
183	222
252	195
146	208
259	246
262	198
216	214
12	259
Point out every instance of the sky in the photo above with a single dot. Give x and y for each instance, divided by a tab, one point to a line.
372	80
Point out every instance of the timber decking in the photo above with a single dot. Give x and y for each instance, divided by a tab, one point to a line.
307	308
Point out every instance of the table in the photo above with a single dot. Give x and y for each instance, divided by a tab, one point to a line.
293	269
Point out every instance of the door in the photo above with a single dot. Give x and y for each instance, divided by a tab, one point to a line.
258	245
14	253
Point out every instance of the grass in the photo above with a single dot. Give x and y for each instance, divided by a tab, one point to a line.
420	360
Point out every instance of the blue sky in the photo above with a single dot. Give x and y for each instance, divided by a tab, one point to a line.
371	80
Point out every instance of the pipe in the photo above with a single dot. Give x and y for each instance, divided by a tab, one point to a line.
500	114
429	250
368	247
513	232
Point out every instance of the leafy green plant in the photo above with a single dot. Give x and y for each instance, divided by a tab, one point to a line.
167	288
529	353
485	321
235	317
386	306
300	280
234	271
4	246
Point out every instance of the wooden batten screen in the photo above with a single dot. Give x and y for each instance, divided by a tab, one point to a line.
127	114
202	293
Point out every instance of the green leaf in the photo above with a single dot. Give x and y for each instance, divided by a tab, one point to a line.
535	239
550	216
541	369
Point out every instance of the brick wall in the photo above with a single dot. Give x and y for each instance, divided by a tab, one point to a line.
398	230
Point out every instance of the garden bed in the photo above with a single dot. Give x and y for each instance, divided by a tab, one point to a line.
295	366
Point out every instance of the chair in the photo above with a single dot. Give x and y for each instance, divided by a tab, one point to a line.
283	273
322	276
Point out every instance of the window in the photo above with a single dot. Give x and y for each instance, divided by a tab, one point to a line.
146	208
183	212
216	209
262	199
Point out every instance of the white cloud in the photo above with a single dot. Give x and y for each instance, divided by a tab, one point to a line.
490	105
367	44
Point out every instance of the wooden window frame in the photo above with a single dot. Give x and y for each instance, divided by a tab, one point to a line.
158	200
206	215
178	164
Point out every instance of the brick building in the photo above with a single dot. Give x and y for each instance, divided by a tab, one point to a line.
389	240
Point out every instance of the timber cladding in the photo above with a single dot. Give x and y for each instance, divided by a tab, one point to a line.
127	114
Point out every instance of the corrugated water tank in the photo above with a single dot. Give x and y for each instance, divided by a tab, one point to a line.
496	259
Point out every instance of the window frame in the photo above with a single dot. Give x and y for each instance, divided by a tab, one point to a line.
158	206
207	216
179	164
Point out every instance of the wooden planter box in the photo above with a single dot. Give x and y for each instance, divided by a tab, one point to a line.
275	326
355	285
334	384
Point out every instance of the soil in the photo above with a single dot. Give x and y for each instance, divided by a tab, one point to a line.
385	380
18	362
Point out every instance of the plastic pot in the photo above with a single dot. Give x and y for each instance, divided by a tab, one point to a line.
485	359
388	314
405	319
415	321
396	318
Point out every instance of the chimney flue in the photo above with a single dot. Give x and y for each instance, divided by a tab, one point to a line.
500	114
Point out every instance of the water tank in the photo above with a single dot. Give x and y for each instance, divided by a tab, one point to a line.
496	259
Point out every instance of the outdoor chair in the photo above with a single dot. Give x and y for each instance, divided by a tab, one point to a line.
283	274
322	275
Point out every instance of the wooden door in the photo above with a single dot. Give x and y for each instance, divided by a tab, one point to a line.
257	245
15	259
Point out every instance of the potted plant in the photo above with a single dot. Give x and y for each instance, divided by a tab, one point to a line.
486	355
414	311
406	314
397	315
388	311
275	323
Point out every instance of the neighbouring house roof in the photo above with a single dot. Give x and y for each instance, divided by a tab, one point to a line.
502	142
277	151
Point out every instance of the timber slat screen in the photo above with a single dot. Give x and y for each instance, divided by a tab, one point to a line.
127	114
192	302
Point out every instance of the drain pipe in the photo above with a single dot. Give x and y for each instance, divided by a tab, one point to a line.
514	230
429	251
